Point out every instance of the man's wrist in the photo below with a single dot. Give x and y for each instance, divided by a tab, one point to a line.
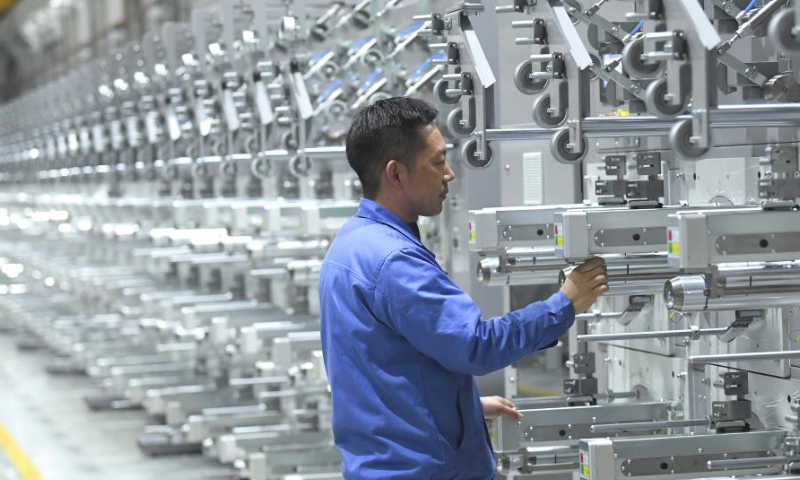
560	305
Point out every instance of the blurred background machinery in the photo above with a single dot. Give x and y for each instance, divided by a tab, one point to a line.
173	172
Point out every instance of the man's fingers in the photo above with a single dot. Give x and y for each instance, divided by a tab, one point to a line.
595	271
507	403
590	264
510	413
601	279
600	289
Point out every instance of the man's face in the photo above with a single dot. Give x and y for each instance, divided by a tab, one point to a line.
429	175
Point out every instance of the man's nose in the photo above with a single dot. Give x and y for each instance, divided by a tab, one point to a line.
449	174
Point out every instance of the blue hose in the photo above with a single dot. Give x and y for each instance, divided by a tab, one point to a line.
638	27
750	6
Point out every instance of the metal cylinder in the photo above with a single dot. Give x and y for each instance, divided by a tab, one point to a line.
546	450
756	300
522	24
631	278
321	153
749	286
490	275
685	293
744	357
527	268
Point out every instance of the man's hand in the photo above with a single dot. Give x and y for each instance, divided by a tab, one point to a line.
495	406
586	282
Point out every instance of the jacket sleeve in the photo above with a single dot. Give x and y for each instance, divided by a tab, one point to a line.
415	298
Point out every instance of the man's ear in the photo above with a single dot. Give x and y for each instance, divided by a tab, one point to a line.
395	174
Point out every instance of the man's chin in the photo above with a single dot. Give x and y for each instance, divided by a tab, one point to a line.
434	211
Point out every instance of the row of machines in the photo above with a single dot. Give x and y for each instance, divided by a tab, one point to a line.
680	120
185	189
165	212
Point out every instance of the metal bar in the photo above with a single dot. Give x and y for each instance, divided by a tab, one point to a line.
623	81
550	449
576	47
738	116
604	337
242	382
733	302
645	426
599	316
750	462
549	402
702	25
600	22
321	153
742	69
744	357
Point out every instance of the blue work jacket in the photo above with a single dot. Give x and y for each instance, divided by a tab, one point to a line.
401	343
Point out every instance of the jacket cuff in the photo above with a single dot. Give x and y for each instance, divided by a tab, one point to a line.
560	306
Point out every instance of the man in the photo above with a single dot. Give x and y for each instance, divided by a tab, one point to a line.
401	340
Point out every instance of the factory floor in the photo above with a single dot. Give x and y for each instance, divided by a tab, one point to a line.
47	433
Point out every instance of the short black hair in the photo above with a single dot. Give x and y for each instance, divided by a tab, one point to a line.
388	129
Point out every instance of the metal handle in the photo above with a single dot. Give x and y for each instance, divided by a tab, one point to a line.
522	24
505	9
541	58
644	426
637	16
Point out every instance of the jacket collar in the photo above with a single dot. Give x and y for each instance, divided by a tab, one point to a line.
376	212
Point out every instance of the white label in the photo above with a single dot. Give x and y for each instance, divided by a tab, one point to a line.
532	175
